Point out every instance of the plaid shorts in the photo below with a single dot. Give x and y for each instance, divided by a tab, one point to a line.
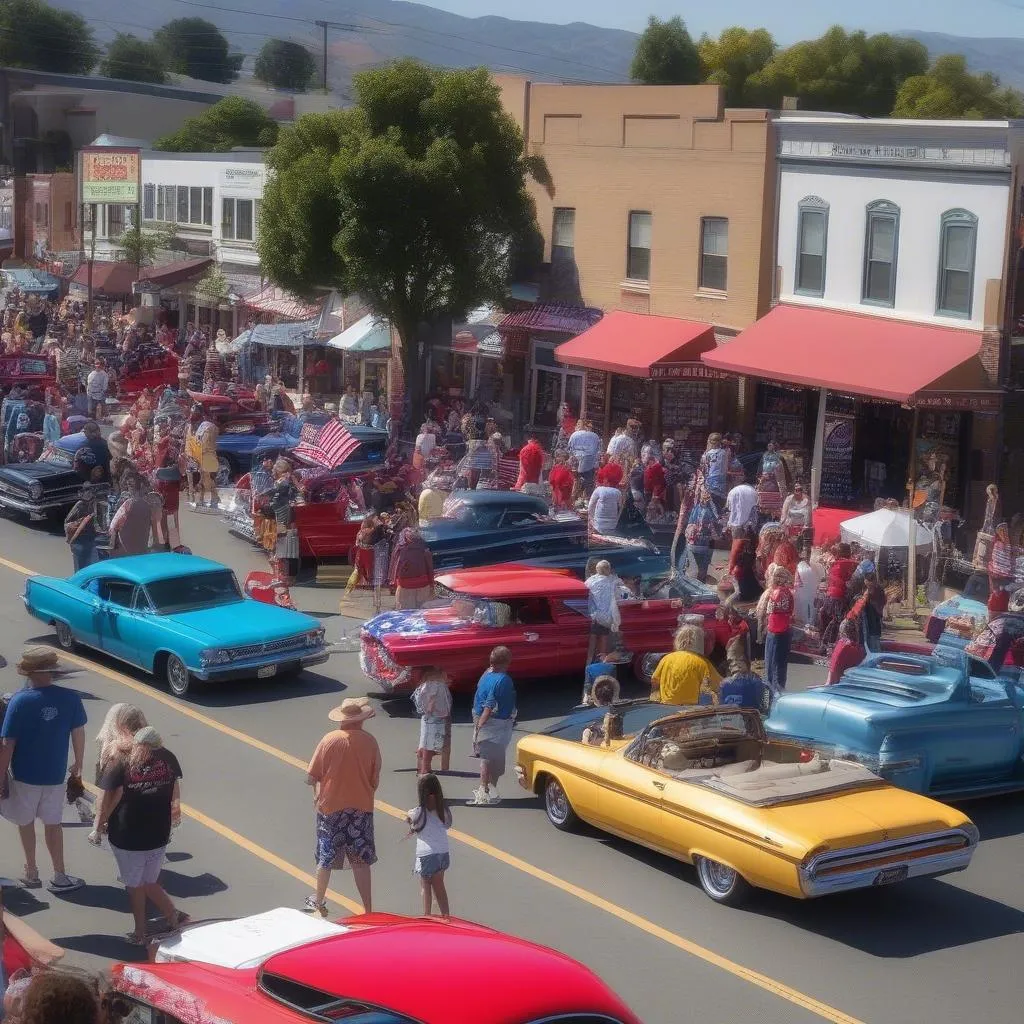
345	835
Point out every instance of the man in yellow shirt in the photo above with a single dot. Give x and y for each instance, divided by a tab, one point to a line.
682	677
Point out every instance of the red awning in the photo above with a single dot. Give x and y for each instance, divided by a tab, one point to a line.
170	274
552	318
282	304
634	343
110	279
853	353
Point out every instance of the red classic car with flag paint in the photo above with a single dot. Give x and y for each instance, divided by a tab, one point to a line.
285	967
539	614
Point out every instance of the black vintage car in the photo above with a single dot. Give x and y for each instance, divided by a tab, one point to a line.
47	487
489	527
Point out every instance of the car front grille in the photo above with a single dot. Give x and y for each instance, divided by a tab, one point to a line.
291	643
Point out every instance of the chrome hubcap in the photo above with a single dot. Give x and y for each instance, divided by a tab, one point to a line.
717	877
64	635
177	675
557	802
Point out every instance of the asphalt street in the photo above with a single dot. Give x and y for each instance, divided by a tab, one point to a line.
936	950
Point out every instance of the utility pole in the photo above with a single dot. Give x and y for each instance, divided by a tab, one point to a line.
324	25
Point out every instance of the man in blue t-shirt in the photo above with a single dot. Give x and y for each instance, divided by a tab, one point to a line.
743	688
41	721
494	715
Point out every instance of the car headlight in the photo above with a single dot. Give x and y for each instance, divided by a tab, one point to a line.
214	656
35	491
315	637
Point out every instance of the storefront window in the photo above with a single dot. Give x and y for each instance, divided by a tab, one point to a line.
451	372
552	385
375	377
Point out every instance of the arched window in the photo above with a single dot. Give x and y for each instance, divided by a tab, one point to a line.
881	244
958	239
811	246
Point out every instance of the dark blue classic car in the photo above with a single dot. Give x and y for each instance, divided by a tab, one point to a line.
50	485
944	724
490	527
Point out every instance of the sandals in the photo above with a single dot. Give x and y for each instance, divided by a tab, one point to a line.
28	881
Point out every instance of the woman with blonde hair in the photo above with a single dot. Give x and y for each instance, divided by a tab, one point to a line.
116	735
681	677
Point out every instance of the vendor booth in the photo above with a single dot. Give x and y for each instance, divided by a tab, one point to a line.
366	348
649	368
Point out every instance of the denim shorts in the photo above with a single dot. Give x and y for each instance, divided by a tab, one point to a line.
432	864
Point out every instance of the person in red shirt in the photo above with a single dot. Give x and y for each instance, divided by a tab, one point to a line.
834	606
531	462
561	480
778	634
654	479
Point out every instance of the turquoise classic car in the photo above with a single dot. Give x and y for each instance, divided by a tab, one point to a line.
182	618
945	724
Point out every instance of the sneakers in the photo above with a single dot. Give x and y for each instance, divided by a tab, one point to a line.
314	906
482	798
65	883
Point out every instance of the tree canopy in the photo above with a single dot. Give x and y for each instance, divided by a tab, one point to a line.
666	55
35	35
134	59
285	65
197	48
846	72
415	198
734	58
949	90
234	121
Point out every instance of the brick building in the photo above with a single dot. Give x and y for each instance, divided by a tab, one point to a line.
46	215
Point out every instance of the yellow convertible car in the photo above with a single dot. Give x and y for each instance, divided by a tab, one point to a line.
704	785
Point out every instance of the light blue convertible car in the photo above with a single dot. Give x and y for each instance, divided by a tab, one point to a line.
946	724
182	618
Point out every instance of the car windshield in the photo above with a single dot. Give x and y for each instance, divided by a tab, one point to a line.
192	593
482	613
56	456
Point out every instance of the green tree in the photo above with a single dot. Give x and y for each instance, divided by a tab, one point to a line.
845	72
140	247
35	35
196	47
415	198
285	65
950	91
234	121
134	59
665	55
732	58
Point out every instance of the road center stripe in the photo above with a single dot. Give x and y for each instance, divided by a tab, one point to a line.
762	981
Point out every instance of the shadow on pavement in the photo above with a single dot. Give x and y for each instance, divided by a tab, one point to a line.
996	817
176	856
23	902
242	692
102	897
183	887
111	947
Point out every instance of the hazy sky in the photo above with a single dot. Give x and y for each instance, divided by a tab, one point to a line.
789	20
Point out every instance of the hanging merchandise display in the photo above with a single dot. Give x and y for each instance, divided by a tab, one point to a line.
837	461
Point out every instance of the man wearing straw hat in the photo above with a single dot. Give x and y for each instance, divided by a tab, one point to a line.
41	721
344	773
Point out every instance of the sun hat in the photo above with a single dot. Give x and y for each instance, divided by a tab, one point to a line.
351	711
40	659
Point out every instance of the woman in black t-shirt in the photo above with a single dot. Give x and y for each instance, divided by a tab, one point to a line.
140	806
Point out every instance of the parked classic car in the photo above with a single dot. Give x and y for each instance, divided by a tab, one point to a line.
152	367
539	614
285	967
944	723
705	785
490	527
50	485
182	618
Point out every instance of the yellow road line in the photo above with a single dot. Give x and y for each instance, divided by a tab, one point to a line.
257	851
708	956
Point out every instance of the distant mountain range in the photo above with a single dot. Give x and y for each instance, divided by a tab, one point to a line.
369	32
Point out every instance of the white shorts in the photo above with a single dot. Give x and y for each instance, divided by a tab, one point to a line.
139	867
25	803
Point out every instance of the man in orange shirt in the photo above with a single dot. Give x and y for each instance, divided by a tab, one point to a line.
344	774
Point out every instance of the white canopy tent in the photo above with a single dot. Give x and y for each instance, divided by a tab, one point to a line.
886	528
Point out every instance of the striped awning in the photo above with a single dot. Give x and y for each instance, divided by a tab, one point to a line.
281	303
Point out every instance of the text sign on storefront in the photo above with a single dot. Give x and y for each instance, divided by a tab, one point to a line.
686	371
110	176
961	401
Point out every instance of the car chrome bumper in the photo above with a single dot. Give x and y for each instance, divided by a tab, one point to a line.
867	878
34	508
249	669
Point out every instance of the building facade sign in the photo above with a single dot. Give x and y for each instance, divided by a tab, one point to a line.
686	371
875	153
242	178
111	176
961	401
